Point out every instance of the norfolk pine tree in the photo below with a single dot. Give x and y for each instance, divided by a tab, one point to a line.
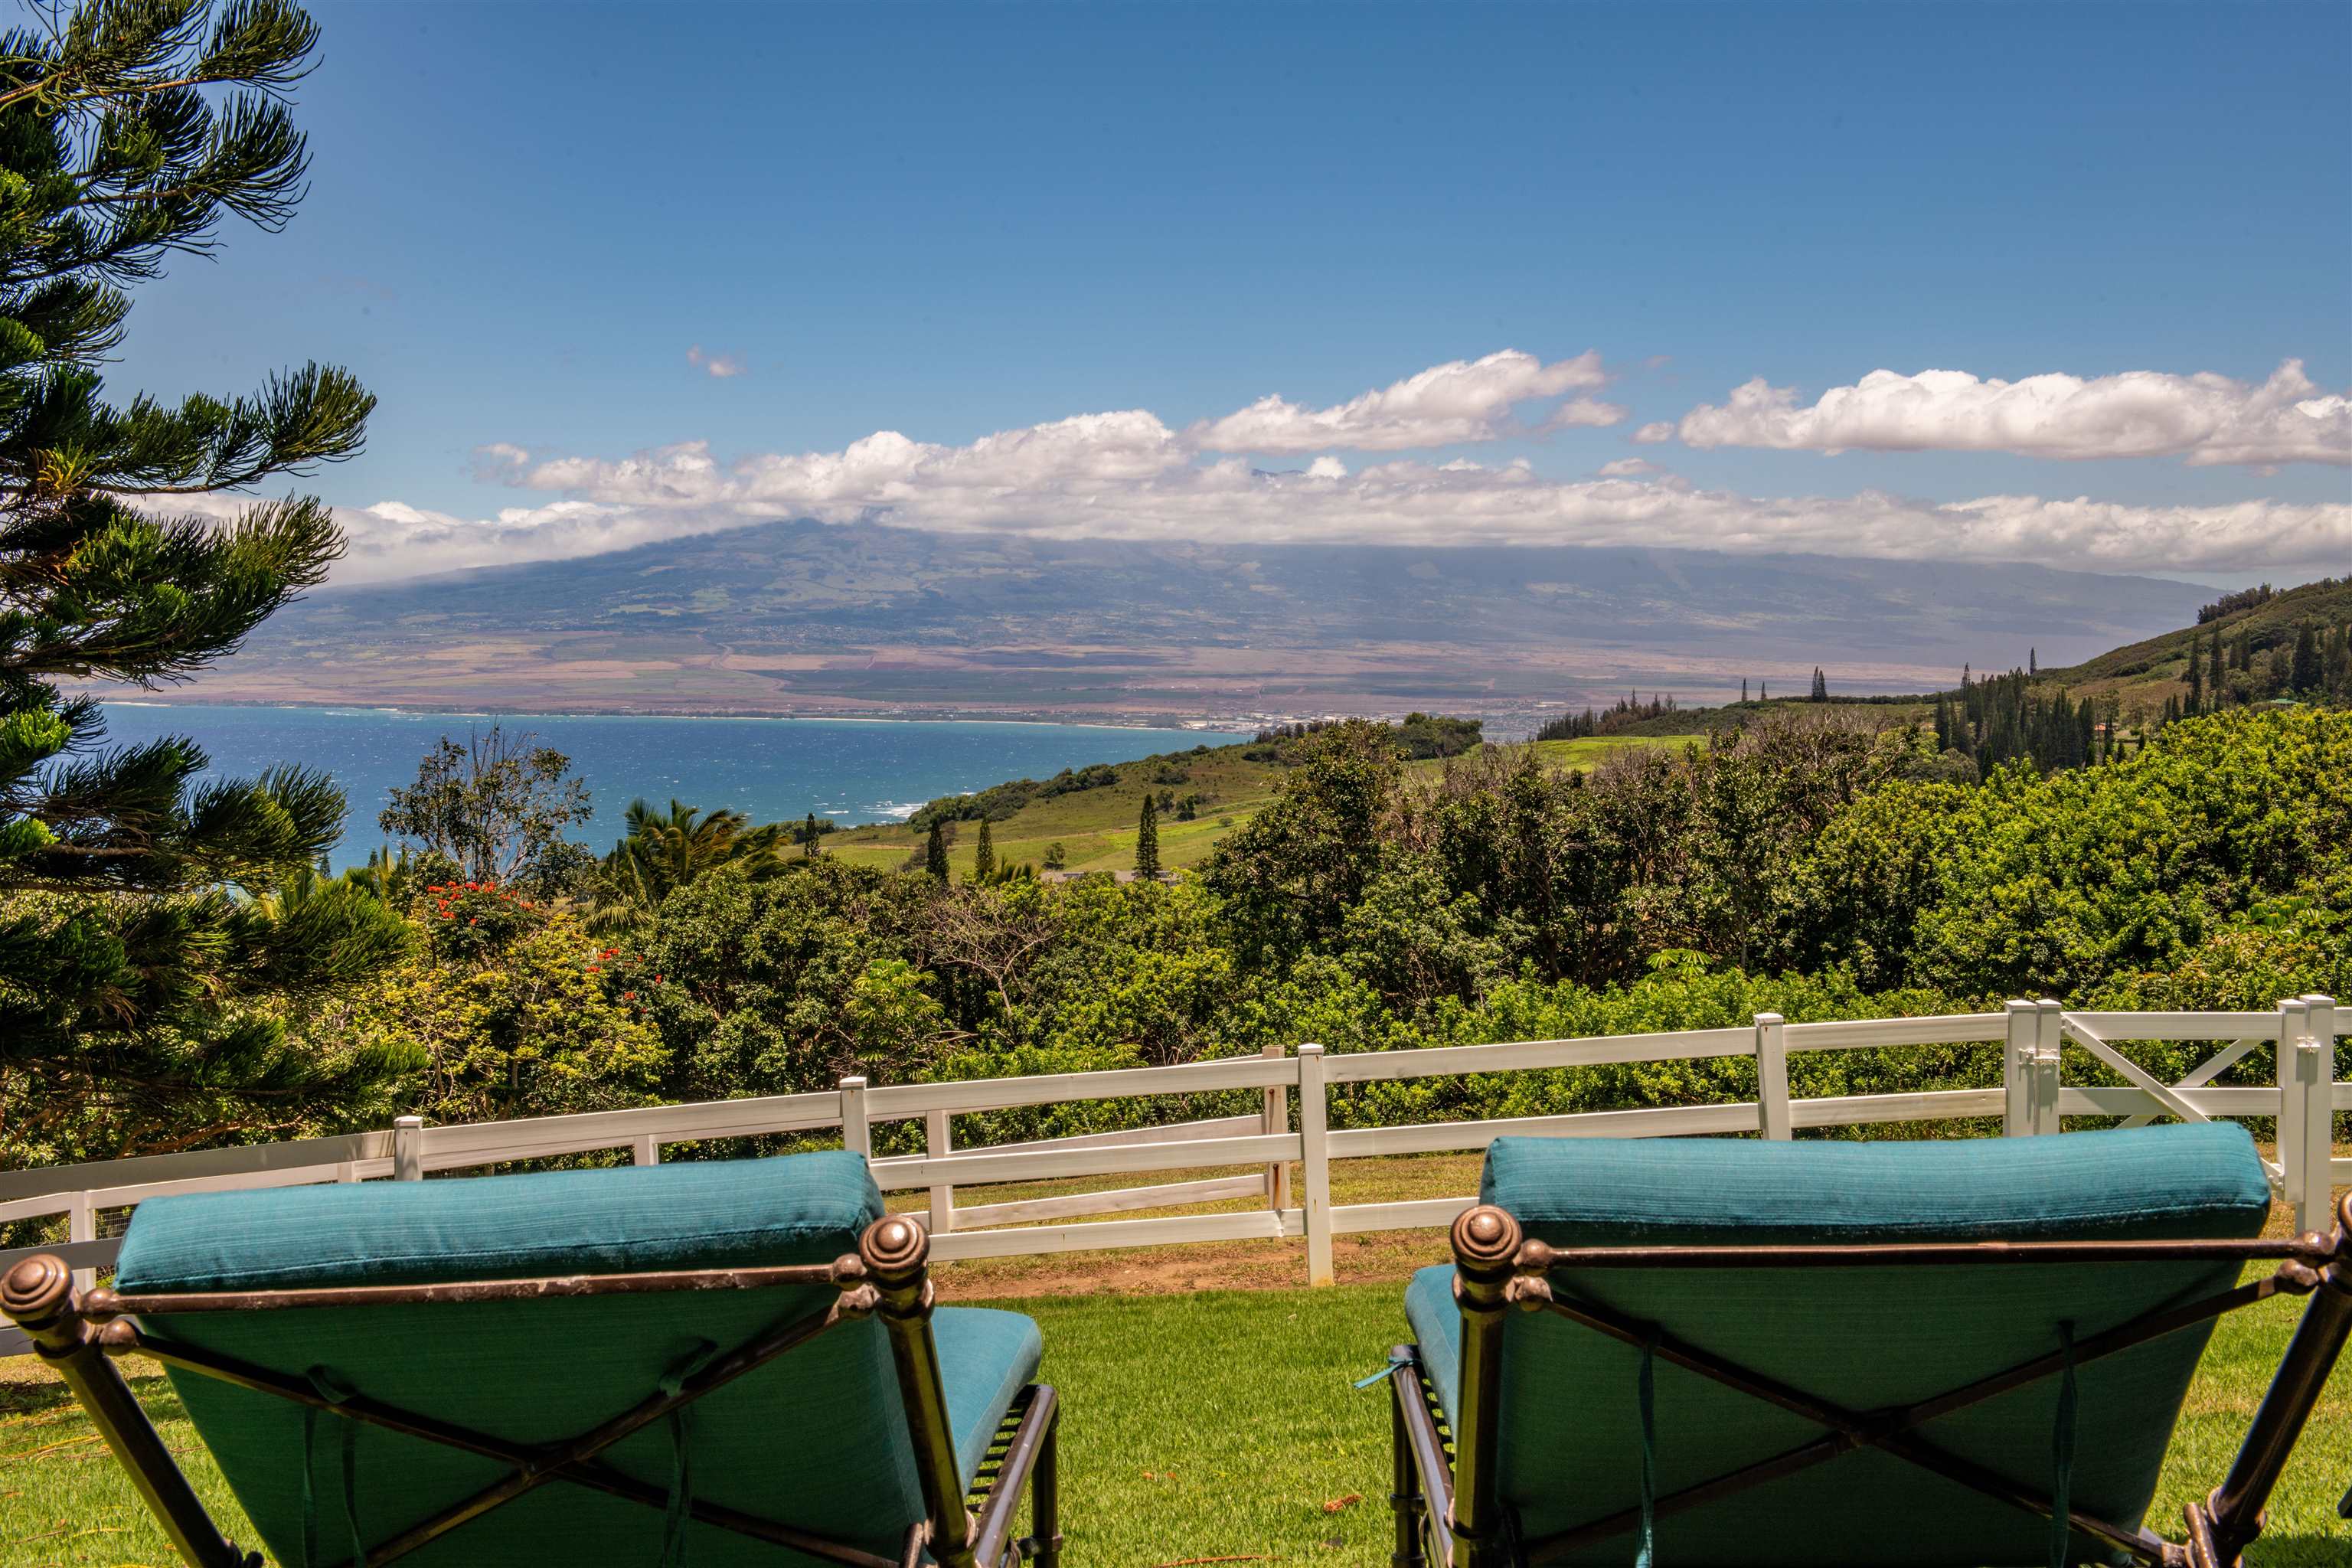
1147	842
154	929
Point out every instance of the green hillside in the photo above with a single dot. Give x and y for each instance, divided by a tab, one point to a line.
1096	828
1208	791
2143	674
2134	680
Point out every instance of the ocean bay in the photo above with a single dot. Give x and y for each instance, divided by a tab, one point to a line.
849	771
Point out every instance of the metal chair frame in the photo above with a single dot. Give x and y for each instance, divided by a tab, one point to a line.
79	1333
1448	1495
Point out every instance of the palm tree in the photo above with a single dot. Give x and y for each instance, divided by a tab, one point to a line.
664	852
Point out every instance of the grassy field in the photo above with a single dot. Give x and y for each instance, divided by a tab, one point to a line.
1216	1426
1096	828
1203	1423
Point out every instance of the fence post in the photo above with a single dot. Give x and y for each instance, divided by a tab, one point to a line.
939	1142
648	1151
1773	1109
857	1133
2049	1035
2016	1109
81	1225
408	1148
1317	1160
1276	1120
2307	1110
2293	1025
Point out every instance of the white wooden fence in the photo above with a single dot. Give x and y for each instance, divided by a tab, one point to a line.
1265	1144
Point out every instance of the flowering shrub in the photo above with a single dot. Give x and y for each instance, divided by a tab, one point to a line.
508	1012
466	921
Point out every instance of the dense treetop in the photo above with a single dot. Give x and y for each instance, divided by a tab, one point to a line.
154	929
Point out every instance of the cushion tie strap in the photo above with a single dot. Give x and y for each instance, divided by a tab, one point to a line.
1646	1392
2062	1456
1396	1365
334	1391
681	1454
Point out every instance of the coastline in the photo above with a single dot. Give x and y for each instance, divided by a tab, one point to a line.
1177	723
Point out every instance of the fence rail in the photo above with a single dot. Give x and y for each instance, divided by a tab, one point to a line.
1266	1145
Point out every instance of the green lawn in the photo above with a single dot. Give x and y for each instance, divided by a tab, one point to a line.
1205	1426
1097	827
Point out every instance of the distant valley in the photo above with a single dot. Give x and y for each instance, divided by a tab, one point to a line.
805	617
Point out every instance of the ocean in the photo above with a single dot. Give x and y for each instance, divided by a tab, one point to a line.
853	771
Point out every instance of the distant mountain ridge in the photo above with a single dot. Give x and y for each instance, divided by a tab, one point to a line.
808	616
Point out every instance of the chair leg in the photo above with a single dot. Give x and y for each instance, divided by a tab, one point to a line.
1045	1496
38	1296
2231	1517
1404	1492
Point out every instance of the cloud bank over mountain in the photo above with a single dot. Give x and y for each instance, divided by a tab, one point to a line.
1446	406
2204	419
1129	475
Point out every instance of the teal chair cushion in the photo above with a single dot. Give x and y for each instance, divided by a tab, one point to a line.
1865	1338
986	1358
817	1439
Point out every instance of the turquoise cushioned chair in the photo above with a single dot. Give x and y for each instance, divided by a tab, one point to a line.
1565	1433
827	1439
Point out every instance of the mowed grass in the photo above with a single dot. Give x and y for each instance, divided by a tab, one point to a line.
1200	1424
1097	827
1223	1424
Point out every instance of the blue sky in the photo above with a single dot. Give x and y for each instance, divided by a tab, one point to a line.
953	222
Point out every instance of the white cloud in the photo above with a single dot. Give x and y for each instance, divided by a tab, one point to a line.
1127	475
1655	431
499	463
2206	418
1466	400
722	366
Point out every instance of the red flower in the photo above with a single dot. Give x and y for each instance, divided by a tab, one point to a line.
628	995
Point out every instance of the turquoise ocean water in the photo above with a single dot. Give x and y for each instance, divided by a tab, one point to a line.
853	771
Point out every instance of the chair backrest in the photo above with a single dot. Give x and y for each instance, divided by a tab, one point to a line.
1865	1339
816	1438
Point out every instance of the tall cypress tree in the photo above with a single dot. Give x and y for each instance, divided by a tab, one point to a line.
983	855
1147	842
1820	692
935	852
153	931
808	838
2306	675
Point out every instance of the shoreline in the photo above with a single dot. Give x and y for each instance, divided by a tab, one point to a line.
1189	724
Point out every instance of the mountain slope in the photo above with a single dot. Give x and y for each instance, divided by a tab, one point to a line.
2148	671
803	617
